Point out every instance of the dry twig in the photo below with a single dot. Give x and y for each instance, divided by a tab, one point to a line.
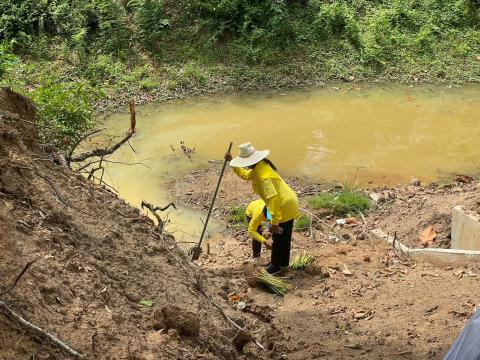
108	151
21	321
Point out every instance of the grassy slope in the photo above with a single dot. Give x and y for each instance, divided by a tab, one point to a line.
309	44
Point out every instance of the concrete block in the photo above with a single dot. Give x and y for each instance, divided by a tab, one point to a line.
438	257
465	230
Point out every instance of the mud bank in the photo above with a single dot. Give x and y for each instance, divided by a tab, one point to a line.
104	280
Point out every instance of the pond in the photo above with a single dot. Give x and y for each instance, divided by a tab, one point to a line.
360	135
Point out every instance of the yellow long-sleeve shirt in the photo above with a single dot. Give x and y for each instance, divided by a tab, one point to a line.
280	199
254	211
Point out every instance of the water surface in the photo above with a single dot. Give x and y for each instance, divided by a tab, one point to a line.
363	135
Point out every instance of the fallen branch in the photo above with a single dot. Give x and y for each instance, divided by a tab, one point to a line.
52	339
112	149
20	320
70	153
57	193
27	266
154	209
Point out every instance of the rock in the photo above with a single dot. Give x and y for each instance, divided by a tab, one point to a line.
414	182
241	305
240	339
186	322
375	197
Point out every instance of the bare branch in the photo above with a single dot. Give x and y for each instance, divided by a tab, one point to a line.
70	153
154	210
112	149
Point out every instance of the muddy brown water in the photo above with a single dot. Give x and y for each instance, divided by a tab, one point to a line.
370	136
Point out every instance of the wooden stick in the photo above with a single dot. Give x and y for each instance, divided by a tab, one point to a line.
52	339
27	266
197	250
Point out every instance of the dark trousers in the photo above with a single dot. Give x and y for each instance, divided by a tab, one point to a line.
281	245
256	245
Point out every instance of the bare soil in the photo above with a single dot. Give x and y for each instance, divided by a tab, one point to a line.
96	258
374	304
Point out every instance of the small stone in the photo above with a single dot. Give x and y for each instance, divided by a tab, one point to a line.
414	181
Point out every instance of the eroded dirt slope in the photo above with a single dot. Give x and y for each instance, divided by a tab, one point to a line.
95	258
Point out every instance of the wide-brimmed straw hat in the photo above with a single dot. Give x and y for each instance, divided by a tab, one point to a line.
248	156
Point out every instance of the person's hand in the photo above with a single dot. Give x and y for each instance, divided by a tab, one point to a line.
228	157
274	228
268	244
266	234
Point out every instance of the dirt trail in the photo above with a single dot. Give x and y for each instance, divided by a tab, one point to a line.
374	304
96	258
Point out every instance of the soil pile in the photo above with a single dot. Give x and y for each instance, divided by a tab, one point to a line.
104	281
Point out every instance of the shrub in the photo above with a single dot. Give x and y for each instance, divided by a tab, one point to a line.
341	203
302	223
151	22
7	59
337	19
65	111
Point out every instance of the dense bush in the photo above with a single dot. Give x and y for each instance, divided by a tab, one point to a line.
7	59
252	31
65	111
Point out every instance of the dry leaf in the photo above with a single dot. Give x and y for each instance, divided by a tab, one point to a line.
478	57
235	298
352	221
427	236
465	179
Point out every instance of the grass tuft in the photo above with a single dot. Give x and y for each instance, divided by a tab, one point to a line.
277	285
341	203
301	261
302	223
236	216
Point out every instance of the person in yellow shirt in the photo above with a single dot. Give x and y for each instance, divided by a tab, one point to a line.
279	198
257	214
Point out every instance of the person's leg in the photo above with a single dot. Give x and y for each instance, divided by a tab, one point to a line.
281	246
286	241
256	246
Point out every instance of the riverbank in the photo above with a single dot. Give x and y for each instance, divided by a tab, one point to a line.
366	301
153	82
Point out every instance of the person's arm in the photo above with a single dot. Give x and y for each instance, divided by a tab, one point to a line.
253	225
243	173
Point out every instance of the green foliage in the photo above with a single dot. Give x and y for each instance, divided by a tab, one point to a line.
302	223
236	215
372	33
146	302
301	261
188	76
344	202
7	59
151	22
65	111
